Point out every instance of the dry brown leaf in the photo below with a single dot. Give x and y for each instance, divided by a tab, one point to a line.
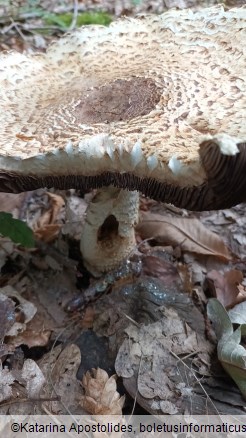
46	228
241	294
50	216
48	360
57	203
6	381
31	338
16	313
101	395
47	233
25	310
60	369
33	377
190	234
30	377
224	286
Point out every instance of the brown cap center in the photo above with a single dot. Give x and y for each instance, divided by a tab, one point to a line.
120	100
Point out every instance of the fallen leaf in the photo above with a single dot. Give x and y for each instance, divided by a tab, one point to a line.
50	216
30	377
231	354
60	369
47	233
6	381
24	310
33	377
46	227
190	234
101	395
224	286
242	291
48	360
30	338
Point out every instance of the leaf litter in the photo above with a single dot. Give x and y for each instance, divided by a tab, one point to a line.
160	360
148	353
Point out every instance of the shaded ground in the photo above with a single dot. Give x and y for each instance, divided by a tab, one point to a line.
146	322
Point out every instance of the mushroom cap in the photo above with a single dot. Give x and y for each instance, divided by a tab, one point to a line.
154	103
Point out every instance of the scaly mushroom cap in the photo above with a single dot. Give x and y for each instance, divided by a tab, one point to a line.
155	104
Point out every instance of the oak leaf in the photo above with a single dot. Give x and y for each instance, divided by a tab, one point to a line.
188	233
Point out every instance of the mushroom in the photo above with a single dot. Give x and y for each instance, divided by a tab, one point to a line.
154	104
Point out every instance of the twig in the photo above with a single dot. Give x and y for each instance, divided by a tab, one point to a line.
31	28
136	393
30	400
75	14
16	26
6	29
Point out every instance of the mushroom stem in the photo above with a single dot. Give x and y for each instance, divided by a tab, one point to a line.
108	236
